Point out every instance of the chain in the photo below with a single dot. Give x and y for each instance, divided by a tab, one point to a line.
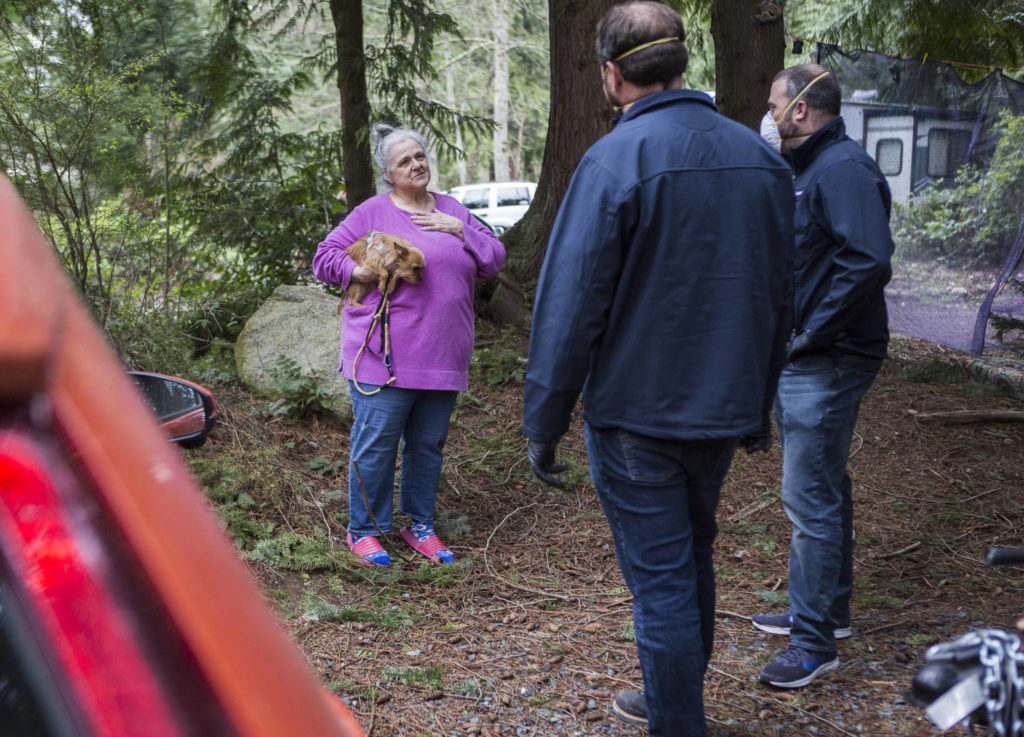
1003	682
1016	672
992	653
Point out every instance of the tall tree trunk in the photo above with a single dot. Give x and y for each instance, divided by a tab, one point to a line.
355	105
501	98
516	160
579	115
450	101
748	54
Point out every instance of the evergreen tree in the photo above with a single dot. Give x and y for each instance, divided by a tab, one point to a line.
980	32
578	116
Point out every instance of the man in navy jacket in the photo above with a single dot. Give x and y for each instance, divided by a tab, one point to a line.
843	252
665	296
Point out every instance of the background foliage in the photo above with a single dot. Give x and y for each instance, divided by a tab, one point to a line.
184	157
973	220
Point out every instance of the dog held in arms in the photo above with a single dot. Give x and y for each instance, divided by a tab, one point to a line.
389	257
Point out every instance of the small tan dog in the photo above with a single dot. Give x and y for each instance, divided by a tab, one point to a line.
389	257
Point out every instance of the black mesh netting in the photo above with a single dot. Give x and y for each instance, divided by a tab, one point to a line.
953	153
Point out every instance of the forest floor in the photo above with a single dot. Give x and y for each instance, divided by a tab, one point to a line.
530	631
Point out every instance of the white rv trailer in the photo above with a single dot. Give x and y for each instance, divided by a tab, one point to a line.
913	145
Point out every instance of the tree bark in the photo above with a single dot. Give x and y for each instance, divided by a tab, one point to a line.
450	101
578	116
748	53
355	105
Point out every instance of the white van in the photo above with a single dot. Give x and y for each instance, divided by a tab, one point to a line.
501	204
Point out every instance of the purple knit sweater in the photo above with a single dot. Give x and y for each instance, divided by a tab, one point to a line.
432	321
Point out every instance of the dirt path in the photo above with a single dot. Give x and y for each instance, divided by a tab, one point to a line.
530	633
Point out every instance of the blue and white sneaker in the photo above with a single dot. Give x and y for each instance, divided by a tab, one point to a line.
781	624
795	667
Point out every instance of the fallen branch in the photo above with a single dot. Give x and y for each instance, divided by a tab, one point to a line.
755	506
909	548
966	417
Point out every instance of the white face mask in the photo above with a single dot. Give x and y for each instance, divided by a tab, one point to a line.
770	132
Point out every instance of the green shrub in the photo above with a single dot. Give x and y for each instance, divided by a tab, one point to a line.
216	365
973	221
302	395
153	342
221	312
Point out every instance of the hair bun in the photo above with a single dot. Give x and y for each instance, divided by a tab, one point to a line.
381	130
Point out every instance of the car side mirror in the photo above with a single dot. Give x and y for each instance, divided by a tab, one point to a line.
185	411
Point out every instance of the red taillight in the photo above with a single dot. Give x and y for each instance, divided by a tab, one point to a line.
60	563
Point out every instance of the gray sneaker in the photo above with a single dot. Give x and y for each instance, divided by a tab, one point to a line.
795	667
631	706
781	624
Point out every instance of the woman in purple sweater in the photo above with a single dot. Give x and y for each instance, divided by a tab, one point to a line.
431	343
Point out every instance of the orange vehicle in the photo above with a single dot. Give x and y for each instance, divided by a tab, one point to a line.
185	410
124	612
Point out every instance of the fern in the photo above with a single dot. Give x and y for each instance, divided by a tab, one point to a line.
294	552
302	395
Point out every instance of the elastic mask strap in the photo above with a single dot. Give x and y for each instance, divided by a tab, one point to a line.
800	94
647	45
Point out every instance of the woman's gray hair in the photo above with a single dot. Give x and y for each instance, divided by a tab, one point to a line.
382	138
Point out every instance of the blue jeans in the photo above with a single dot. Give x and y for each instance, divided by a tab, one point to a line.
816	413
420	417
660	498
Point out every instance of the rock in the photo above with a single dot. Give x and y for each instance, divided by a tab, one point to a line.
300	323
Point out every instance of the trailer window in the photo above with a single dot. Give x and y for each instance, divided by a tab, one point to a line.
889	156
947	151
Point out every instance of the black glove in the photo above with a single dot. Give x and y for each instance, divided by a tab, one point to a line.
542	461
761	439
801	345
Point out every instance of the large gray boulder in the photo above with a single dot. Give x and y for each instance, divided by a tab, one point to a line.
299	323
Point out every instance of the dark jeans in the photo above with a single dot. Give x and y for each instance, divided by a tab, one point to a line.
660	498
816	413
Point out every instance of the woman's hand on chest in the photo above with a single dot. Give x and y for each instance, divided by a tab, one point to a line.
439	222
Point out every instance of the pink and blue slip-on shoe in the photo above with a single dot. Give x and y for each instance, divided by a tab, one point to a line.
423	540
369	549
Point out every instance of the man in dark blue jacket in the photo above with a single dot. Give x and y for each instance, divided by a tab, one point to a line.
843	252
665	297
